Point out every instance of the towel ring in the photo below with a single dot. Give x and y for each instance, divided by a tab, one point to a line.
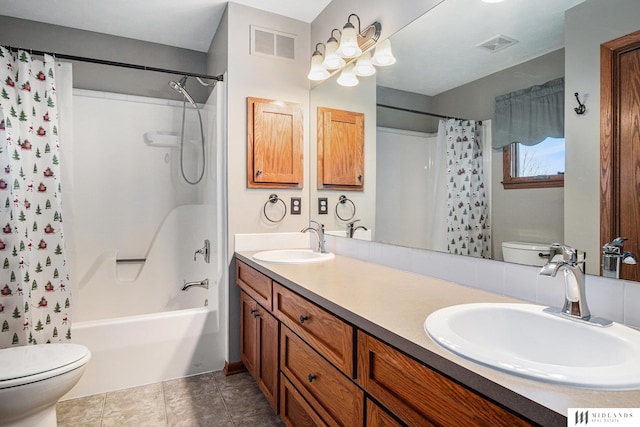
342	201
273	199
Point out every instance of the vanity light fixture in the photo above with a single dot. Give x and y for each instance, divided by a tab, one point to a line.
332	60
317	71
350	54
348	76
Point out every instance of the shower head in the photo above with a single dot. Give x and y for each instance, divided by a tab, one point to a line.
180	87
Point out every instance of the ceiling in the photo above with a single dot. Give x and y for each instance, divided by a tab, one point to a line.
188	24
435	53
438	51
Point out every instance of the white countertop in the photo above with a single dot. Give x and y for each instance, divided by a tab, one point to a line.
393	305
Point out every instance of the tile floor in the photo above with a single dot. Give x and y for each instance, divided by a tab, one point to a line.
211	400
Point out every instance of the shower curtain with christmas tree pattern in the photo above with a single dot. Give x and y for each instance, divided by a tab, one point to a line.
468	230
35	303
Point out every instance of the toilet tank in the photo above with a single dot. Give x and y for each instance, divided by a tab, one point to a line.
525	253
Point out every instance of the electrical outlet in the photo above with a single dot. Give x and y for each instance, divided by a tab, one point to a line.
296	206
323	206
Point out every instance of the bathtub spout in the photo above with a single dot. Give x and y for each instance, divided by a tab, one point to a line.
203	284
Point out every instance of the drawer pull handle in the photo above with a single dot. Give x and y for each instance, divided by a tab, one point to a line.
311	377
303	318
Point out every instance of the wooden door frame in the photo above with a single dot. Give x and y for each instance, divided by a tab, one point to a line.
610	131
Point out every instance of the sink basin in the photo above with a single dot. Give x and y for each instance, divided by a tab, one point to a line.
292	256
525	340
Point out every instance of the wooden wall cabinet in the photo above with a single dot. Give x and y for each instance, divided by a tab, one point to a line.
340	149
275	144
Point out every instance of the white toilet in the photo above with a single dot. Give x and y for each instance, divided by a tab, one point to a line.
525	253
34	377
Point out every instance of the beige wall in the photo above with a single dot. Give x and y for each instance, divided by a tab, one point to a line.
587	26
261	77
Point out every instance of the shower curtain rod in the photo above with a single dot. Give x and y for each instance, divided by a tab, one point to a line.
116	64
408	110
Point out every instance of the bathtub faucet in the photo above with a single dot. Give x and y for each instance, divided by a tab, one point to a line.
203	284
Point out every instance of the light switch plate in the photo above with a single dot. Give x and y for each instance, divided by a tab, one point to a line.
323	206
296	206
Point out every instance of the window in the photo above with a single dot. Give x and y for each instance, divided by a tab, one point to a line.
535	166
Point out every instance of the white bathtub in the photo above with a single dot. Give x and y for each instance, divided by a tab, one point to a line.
138	350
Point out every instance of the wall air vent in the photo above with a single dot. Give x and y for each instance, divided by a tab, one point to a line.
266	42
499	42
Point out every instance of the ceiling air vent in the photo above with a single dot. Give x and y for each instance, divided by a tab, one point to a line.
497	43
266	42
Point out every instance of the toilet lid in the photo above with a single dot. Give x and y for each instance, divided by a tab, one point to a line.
29	360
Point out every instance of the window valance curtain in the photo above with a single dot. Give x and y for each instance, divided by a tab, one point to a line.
530	115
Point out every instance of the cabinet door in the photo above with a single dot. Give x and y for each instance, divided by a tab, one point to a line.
275	144
248	333
259	346
340	149
268	335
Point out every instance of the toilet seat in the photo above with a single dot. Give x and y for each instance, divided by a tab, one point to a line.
31	363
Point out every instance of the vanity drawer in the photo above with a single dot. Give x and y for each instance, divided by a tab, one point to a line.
378	417
327	334
254	283
337	399
420	395
294	410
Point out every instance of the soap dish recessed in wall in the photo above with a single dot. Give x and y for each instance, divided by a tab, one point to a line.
272	202
342	202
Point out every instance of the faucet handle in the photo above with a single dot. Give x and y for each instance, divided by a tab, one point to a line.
570	255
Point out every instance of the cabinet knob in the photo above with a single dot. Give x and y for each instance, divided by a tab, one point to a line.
303	319
259	172
311	377
359	177
255	313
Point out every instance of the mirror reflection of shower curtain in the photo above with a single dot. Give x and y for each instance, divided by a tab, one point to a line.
468	227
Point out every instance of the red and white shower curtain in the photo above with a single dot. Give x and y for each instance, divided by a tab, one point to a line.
35	302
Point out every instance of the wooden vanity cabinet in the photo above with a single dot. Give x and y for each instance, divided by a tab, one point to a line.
260	335
340	149
419	395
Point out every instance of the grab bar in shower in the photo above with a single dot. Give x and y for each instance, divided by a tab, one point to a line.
131	260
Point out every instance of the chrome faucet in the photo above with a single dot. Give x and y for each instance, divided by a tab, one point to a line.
612	255
351	228
202	284
572	264
319	232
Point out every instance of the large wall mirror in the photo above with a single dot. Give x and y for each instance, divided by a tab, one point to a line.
443	68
